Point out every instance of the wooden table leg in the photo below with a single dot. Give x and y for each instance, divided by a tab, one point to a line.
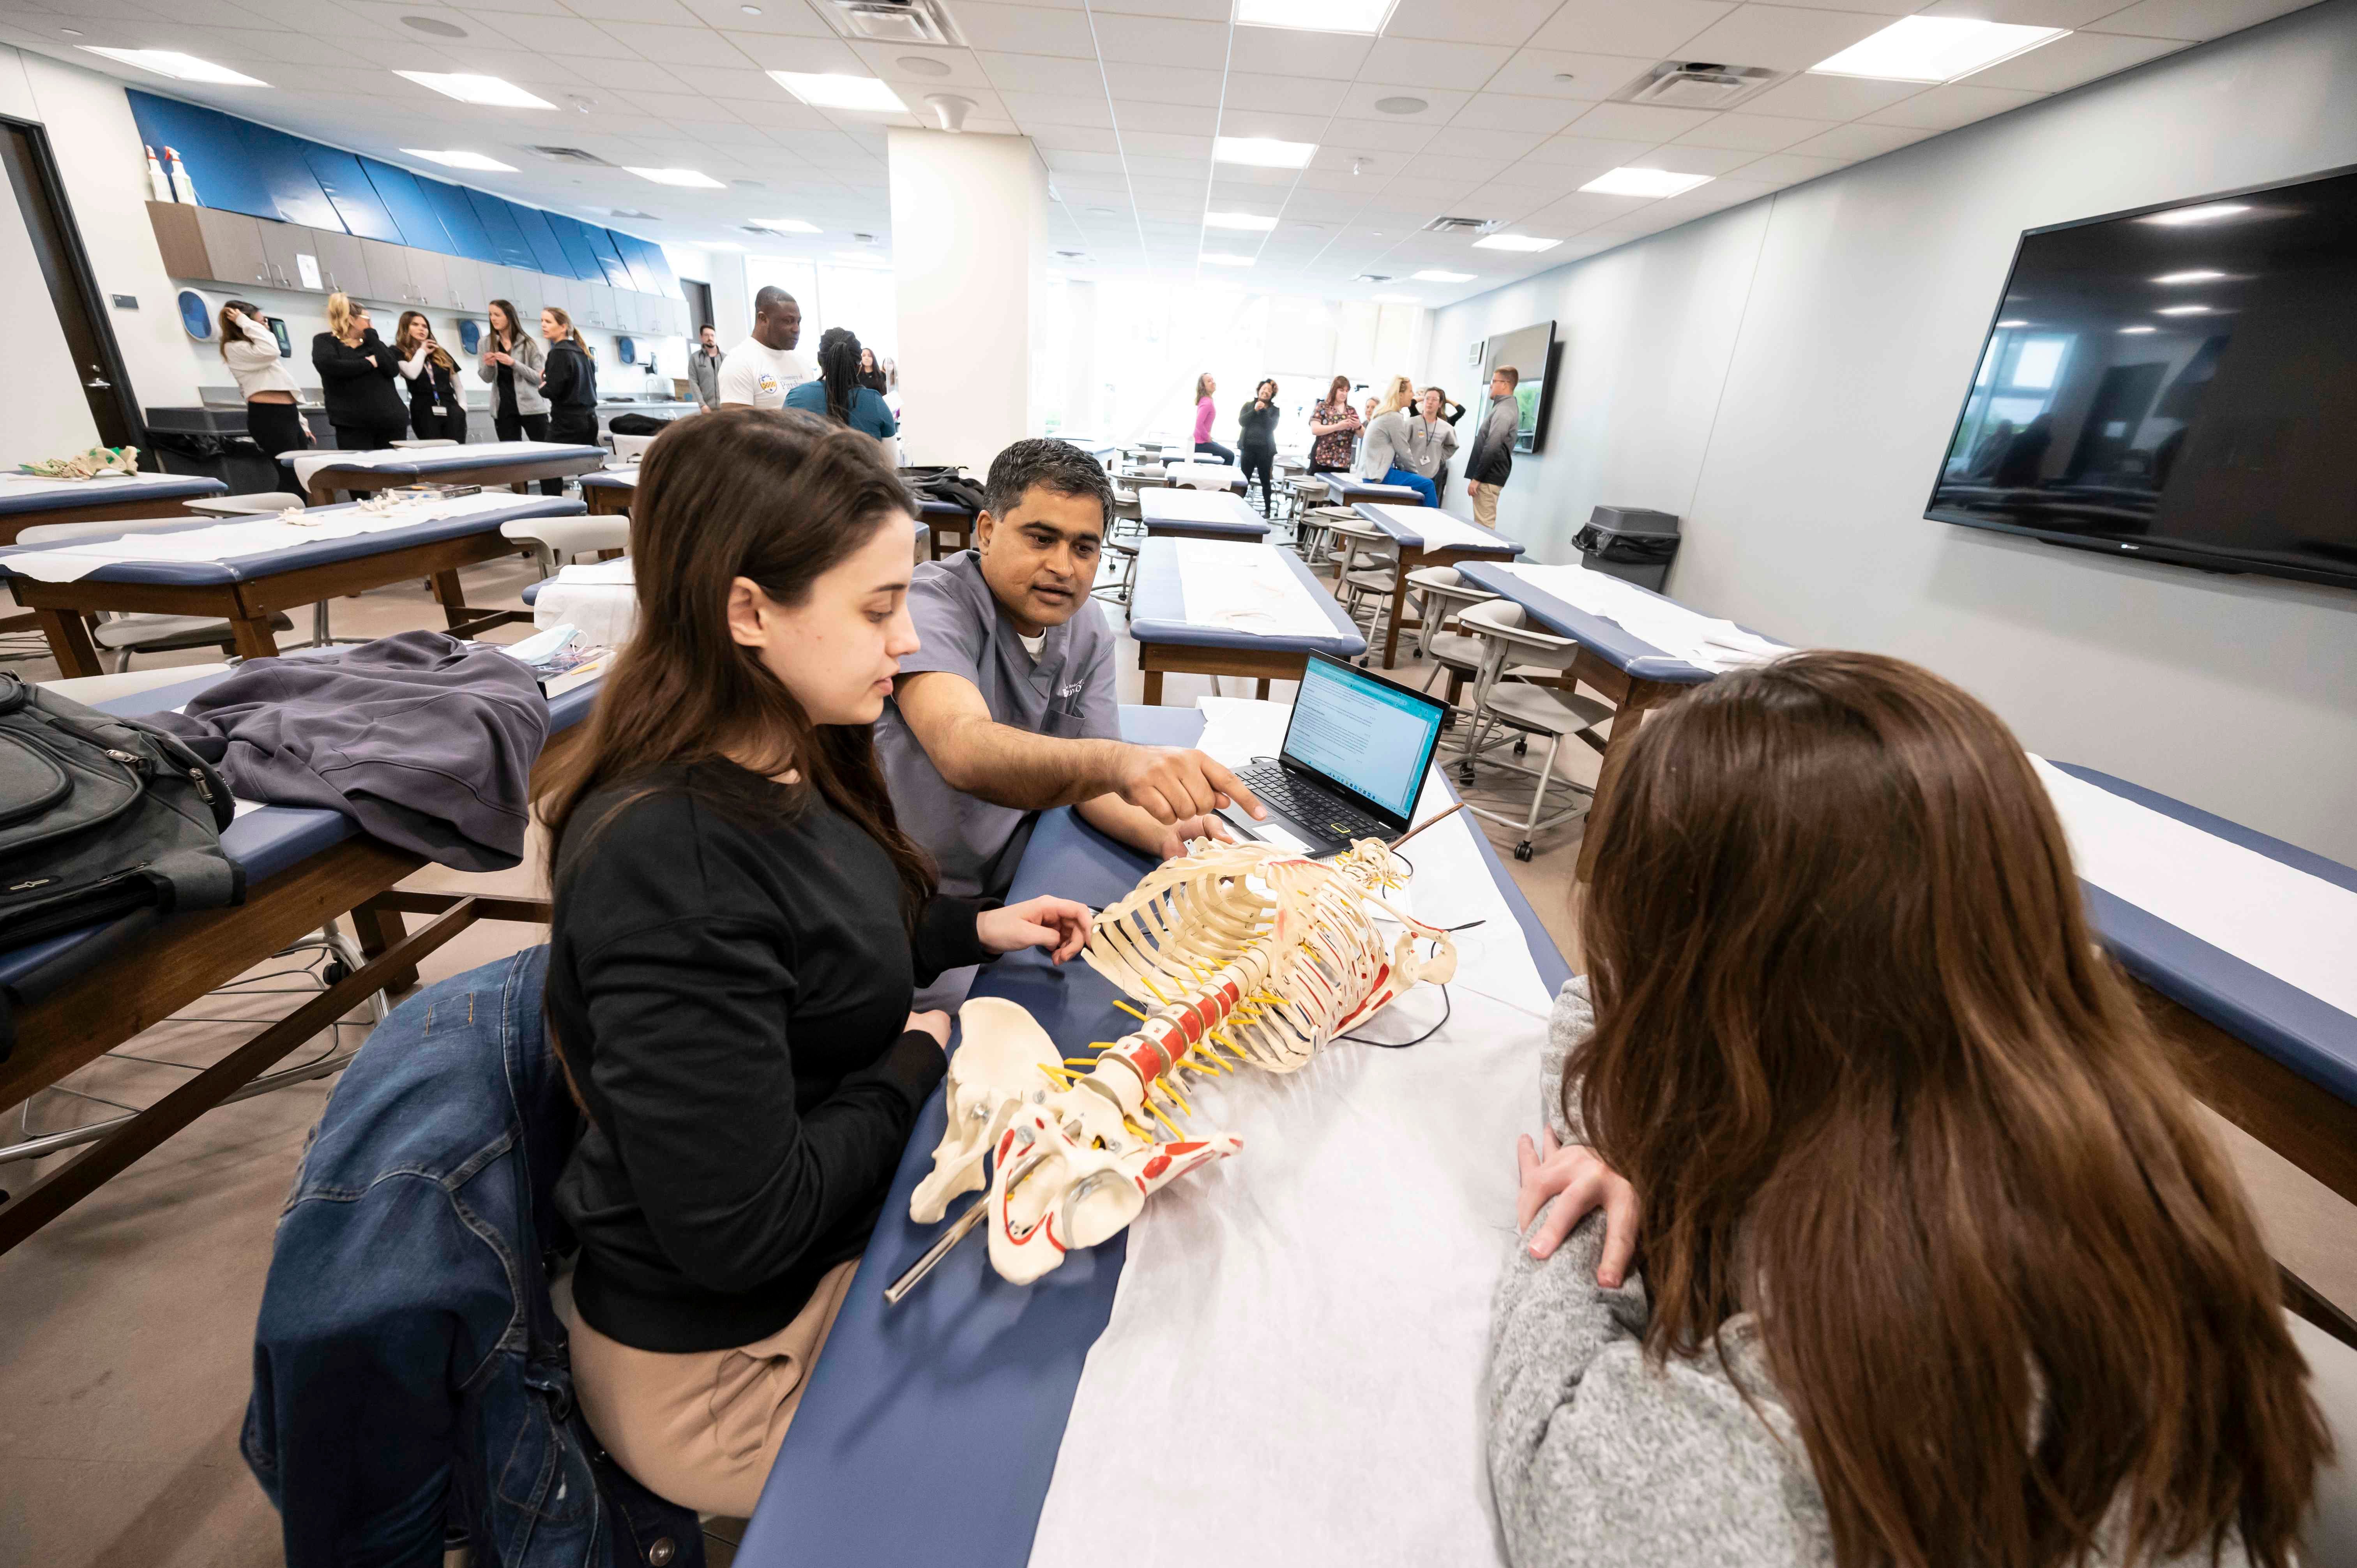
1399	608
1261	689
452	596
381	929
253	639
70	643
1154	688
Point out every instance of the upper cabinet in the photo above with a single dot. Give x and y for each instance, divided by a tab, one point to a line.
548	256
236	165
573	236
396	188
507	238
458	215
349	191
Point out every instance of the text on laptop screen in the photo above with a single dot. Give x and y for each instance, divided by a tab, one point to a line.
1362	733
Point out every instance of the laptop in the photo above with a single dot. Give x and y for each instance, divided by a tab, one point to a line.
1353	761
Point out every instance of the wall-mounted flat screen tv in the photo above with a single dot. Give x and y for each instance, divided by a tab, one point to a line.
1530	351
2178	384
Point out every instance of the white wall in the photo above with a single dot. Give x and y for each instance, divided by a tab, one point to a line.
1785	376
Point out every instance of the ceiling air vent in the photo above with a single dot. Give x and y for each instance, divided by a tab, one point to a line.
1696	84
1372	277
573	156
1461	225
896	21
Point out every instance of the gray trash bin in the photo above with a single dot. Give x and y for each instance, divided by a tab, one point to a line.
1631	543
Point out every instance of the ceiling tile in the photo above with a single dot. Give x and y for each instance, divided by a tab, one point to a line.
1160	40
1419	62
665	13
1440	105
1174	119
777	17
1536	73
1260	122
1791	168
2193	19
1285	95
560	36
1056	108
1379	136
1752	133
1505	111
1654	29
2026	13
1809	97
1037	73
1712	161
1472	143
1164	144
1160	85
1061	160
1026	30
1636	122
779	51
965	69
1282	52
1858	140
689	47
1197	10
1492	22
1782	38
1945	108
1584	211
1588	152
2075	59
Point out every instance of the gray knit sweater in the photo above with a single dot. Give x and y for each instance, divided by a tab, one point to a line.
1595	1458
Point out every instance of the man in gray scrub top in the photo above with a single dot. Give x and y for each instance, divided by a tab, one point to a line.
1008	708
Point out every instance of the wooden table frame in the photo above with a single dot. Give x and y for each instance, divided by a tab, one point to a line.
105	512
938	523
1415	561
327	481
1160	659
248	605
608	500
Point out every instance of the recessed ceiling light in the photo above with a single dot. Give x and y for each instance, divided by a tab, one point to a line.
1212	258
452	158
2013	324
1934	48
2209	212
1515	242
1263	152
1402	105
2184	310
750	10
173	63
484	90
2132	332
1653	182
1434	276
825	90
1251	222
2196	276
1104	211
70	32
1565	76
694	179
924	65
436	26
1315	15
784	225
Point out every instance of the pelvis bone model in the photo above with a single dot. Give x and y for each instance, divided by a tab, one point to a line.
1239	954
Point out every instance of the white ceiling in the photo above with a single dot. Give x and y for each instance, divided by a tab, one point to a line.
1123	98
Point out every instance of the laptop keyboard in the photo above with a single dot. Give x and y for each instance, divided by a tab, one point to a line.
1308	805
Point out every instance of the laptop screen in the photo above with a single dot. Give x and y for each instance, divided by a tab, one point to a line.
1363	733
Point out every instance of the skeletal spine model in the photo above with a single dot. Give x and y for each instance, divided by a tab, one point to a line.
1240	954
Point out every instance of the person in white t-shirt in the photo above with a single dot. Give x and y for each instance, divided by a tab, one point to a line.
759	371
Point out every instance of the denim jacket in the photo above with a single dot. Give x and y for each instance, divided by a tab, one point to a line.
409	1370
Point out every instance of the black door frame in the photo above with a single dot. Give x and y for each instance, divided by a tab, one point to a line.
51	201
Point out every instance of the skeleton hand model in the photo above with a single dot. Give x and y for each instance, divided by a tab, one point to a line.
1243	954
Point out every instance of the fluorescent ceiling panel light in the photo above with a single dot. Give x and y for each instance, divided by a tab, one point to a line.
1432	276
1251	222
1263	152
1653	182
2209	212
784	225
828	90
2013	324
1315	15
694	178
2132	332
173	63
2196	276
2184	310
484	90
1934	48
456	159
1214	259
1515	242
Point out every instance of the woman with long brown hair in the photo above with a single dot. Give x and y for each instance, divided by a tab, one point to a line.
1939	1268
436	412
1333	430
248	347
739	926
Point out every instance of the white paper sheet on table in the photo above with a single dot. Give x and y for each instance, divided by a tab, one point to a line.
1442	532
1307	1323
1705	641
1190	506
37	485
474	452
1237	586
600	596
79	558
2300	929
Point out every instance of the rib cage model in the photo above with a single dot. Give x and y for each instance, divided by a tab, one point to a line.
1239	954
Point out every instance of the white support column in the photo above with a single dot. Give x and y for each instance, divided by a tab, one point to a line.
969	254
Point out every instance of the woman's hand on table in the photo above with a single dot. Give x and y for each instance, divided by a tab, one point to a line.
1581	1184
1058	925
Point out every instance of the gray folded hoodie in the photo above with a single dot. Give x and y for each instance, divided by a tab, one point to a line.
422	741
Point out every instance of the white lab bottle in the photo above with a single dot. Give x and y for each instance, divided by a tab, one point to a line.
183	187
159	186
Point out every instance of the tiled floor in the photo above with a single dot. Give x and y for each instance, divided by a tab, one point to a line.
125	1326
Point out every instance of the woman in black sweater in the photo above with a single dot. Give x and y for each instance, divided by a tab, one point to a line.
1256	445
740	928
356	374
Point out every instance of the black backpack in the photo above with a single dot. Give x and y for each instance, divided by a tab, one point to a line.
103	819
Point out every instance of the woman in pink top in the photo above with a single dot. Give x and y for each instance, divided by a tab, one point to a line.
1204	387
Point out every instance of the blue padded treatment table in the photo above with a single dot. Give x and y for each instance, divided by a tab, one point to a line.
1412	553
1167	642
609	490
462	464
1603	638
23	505
1174	512
530	594
247	590
929	1431
1342	489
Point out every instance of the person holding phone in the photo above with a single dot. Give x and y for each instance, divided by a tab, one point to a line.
435	410
273	421
1256	440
